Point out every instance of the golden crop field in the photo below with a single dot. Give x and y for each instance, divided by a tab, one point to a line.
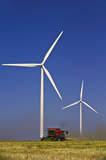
46	150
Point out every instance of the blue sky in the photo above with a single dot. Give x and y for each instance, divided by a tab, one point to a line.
27	30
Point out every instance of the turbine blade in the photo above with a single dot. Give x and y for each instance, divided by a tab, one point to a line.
81	90
23	65
89	106
71	104
51	48
51	80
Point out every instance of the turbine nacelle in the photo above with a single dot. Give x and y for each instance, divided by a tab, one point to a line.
42	65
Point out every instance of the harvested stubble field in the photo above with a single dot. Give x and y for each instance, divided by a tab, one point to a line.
46	150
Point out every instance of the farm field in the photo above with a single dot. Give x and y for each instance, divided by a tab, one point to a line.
46	150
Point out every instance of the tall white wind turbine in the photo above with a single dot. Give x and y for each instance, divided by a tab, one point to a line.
43	69
80	101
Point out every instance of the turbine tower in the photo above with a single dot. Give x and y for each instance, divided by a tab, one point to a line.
43	69
80	101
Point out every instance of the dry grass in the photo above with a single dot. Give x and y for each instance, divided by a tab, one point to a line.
67	150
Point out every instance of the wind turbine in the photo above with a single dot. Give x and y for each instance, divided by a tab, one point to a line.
43	69
80	101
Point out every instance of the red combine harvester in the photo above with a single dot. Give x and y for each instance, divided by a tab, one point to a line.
57	134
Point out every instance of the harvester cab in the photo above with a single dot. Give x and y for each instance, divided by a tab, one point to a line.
57	134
